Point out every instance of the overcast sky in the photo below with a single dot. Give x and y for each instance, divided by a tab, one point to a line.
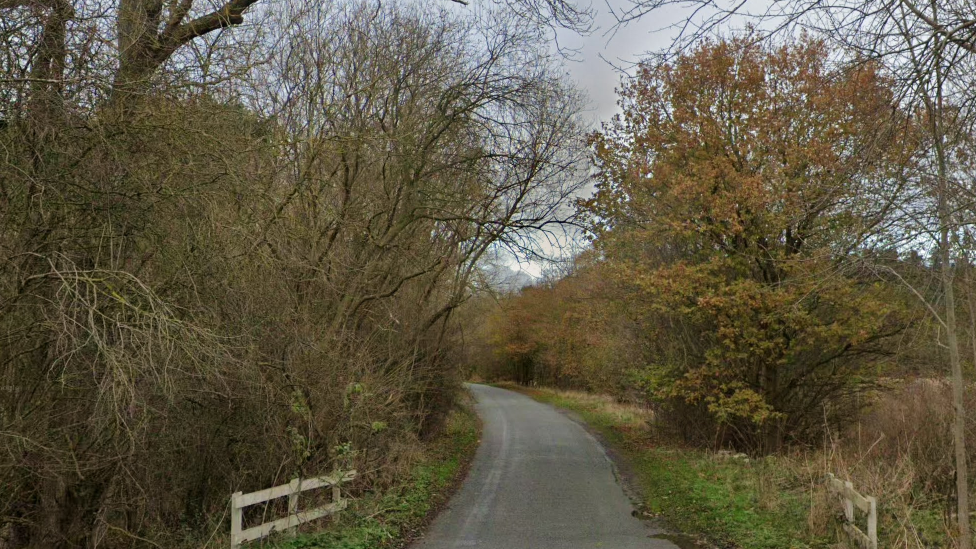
591	69
607	50
622	46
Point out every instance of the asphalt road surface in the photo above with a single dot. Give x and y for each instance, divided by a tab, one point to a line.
538	481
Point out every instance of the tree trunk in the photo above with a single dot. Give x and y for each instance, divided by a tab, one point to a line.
958	384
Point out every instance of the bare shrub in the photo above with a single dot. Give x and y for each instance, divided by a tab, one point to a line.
899	451
198	297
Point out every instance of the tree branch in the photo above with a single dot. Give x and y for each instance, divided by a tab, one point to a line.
232	13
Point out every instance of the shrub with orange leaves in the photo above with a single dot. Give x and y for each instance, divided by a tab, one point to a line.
737	193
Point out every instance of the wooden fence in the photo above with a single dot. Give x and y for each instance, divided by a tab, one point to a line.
850	499
240	500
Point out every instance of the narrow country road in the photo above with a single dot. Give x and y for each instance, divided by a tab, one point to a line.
538	481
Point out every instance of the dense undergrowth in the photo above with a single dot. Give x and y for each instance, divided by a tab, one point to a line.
733	501
391	517
216	279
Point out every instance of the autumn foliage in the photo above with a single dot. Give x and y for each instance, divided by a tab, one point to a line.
568	333
735	192
738	193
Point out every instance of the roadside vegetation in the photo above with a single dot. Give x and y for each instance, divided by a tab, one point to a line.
781	268
393	516
245	241
234	238
730	499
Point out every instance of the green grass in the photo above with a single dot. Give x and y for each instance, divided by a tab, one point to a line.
730	502
389	519
723	499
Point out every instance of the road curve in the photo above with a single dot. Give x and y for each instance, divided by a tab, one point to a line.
538	481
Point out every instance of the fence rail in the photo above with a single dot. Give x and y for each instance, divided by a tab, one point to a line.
240	500
851	499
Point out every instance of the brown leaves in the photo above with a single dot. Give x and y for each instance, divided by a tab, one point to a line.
727	190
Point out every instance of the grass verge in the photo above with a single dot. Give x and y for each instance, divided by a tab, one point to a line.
393	518
725	500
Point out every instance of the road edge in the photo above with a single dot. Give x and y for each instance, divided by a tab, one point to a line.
443	497
623	471
383	519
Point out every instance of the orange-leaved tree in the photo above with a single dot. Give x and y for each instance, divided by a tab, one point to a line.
565	333
737	191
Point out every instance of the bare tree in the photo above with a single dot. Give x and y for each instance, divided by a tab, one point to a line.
204	255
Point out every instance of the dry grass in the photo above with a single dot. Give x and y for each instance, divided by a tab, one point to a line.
900	451
623	413
626	414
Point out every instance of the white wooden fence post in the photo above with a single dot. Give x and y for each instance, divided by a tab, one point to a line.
236	520
848	504
873	522
296	486
868	504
